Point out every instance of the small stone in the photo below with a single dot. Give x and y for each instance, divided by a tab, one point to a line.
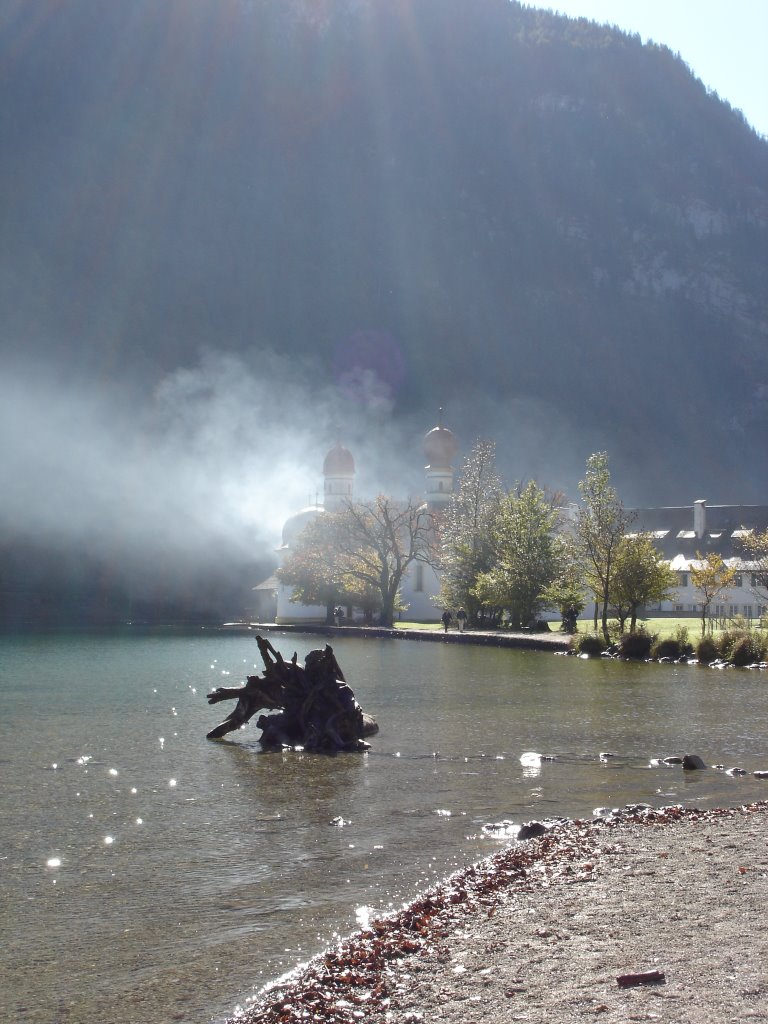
693	763
641	978
532	829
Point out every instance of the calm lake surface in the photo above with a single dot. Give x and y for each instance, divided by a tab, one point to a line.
152	876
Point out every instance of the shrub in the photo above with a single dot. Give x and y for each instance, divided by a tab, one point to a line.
588	643
669	648
749	649
727	640
706	650
635	645
742	624
614	630
681	635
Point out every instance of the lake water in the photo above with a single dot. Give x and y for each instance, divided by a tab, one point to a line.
151	876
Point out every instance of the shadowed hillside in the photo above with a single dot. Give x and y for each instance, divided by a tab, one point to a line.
542	224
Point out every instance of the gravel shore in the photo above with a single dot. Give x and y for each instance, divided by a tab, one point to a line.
657	915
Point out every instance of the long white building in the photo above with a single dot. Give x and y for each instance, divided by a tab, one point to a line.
686	535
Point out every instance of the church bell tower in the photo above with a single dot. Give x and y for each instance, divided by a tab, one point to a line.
440	451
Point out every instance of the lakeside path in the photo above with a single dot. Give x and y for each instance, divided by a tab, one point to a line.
542	930
490	638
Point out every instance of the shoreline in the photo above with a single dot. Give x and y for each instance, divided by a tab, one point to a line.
672	899
523	641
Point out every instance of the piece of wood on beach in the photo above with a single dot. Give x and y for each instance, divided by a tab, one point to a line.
641	978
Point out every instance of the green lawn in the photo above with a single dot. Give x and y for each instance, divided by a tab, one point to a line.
663	628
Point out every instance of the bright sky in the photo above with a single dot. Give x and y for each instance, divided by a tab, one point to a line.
722	41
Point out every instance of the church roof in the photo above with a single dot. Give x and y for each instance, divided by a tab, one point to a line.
339	462
296	523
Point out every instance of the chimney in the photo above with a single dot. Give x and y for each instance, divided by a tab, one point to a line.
699	518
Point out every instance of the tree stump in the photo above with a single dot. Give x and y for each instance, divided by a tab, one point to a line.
316	708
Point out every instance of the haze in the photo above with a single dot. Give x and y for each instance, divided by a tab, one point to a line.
236	232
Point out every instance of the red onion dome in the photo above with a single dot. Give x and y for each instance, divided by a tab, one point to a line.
440	447
339	462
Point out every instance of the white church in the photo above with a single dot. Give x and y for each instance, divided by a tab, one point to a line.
420	585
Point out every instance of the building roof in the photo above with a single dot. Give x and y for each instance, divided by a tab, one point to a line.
700	528
294	524
270	583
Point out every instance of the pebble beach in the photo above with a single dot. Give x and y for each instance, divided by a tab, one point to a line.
646	915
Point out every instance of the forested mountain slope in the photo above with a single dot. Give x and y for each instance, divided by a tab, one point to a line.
544	225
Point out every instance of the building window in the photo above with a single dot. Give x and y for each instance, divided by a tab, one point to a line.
418	585
683	579
737	580
747	611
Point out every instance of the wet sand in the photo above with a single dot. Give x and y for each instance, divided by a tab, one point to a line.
658	915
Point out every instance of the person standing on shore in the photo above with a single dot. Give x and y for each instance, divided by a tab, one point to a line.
446	618
461	619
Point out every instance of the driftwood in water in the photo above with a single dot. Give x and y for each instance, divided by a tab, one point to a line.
317	710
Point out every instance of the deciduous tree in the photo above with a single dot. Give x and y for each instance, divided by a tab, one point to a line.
640	577
711	577
466	549
755	545
379	540
312	567
527	555
360	554
601	523
566	591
